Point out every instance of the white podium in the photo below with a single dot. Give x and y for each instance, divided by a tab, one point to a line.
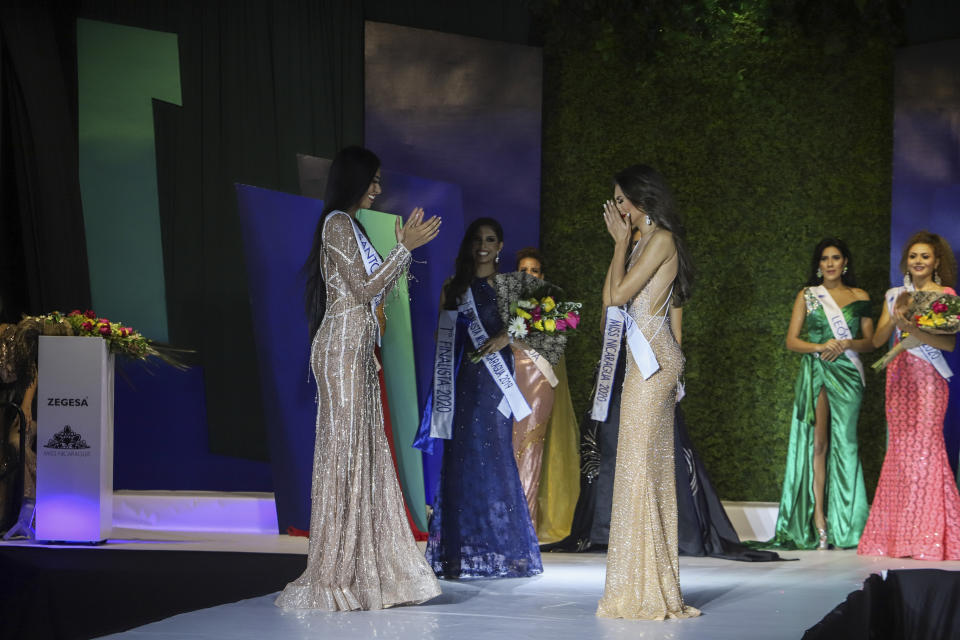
74	439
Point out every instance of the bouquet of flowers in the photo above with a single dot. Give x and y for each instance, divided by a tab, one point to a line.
529	310
542	314
120	339
930	311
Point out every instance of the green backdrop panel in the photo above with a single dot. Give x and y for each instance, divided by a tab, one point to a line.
771	140
399	372
120	71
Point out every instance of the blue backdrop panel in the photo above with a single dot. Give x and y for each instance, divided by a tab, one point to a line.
460	110
278	232
160	435
433	264
926	170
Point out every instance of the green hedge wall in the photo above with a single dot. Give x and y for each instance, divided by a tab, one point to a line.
770	142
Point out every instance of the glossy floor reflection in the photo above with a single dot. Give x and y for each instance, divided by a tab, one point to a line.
739	600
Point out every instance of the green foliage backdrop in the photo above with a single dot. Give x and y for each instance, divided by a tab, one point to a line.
771	138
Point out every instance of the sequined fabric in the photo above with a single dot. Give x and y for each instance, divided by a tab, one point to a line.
643	570
916	509
481	523
361	553
530	433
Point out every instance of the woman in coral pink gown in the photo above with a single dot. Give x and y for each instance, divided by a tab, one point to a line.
916	510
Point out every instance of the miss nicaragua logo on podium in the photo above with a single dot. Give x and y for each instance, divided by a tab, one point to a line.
66	438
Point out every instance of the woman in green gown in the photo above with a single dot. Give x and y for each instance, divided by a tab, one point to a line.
824	500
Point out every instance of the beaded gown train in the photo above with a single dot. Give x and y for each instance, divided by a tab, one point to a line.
916	509
361	553
704	529
481	524
643	569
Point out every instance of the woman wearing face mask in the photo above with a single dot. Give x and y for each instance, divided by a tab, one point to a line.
916	509
361	554
545	442
481	524
642	580
823	500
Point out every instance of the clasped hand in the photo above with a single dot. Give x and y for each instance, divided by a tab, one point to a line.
831	349
900	319
417	231
494	344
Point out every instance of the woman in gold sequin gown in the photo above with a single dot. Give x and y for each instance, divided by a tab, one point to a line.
643	572
361	553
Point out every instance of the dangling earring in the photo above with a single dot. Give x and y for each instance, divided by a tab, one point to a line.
819	273
844	272
648	220
936	277
497	259
907	280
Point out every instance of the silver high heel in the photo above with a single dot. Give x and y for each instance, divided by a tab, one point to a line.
822	545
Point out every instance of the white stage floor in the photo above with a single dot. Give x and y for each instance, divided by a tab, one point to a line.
739	600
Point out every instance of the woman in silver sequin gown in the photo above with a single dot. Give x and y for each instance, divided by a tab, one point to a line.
361	553
642	580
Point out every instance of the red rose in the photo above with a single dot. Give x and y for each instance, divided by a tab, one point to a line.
103	321
105	330
90	314
939	307
75	312
87	326
561	324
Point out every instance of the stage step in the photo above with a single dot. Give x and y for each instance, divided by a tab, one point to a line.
233	512
228	512
752	520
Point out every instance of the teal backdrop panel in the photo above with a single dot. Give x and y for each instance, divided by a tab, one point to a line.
120	70
399	371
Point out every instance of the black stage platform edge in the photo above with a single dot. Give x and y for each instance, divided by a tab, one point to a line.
75	594
919	604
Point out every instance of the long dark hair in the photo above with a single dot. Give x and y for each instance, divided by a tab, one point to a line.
648	191
464	267
849	278
350	176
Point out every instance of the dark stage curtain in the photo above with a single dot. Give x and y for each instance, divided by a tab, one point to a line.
43	254
261	81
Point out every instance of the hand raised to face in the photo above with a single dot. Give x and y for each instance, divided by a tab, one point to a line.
618	225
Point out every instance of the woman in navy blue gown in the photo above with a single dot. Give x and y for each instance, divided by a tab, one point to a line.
481	525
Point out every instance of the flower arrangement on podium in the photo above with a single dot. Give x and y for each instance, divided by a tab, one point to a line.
120	339
930	311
